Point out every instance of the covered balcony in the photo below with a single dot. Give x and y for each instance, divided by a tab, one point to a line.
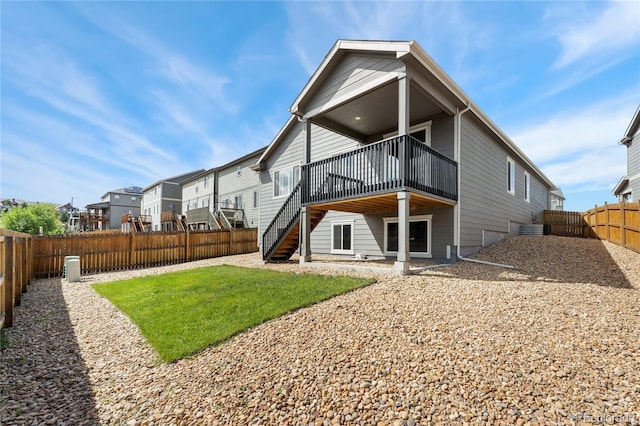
370	176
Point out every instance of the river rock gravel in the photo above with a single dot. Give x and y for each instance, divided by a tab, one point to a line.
554	341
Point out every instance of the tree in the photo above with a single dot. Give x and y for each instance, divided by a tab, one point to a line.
29	219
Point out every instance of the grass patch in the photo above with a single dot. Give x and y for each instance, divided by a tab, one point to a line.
181	313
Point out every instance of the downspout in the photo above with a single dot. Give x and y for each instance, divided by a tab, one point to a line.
457	137
457	150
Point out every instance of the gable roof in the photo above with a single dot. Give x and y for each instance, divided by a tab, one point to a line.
401	49
633	127
178	179
135	190
229	164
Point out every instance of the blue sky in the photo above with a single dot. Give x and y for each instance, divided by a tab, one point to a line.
99	95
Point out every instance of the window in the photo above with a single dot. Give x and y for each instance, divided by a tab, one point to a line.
239	170
238	201
116	197
206	181
419	235
285	180
511	176
627	197
527	187
196	189
134	198
421	131
205	202
155	191
342	237
256	200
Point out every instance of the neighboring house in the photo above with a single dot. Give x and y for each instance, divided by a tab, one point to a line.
238	187
229	193
629	185
557	198
108	213
164	196
385	155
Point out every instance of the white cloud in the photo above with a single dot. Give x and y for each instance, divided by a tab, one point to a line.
444	29
578	147
613	31
596	170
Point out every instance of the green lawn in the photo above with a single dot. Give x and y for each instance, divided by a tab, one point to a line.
181	313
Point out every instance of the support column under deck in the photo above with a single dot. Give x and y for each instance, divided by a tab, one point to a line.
403	261
305	235
305	218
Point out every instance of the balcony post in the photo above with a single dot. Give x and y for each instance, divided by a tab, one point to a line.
404	89
402	263
305	219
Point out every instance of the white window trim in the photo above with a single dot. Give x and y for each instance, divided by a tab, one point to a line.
415	128
425	217
527	187
511	189
273	174
353	227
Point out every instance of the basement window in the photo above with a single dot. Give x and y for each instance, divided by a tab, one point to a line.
511	176
342	237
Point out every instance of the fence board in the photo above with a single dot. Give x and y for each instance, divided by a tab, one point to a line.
618	223
565	223
100	252
16	271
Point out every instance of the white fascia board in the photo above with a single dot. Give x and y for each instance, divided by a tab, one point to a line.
400	48
276	140
632	128
621	183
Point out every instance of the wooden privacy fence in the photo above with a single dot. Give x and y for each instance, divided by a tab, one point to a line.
111	252
618	223
16	261
568	224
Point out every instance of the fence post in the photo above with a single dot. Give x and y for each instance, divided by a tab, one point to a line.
623	233
607	230
30	265
132	249
24	271
186	245
231	251
8	281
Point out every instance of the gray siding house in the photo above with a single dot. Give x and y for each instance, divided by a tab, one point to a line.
226	196
164	196
384	155
114	205
628	186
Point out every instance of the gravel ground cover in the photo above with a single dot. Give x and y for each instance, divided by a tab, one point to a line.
554	341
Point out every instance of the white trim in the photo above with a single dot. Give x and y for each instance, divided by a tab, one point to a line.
421	218
425	125
511	177
291	181
527	187
341	223
364	89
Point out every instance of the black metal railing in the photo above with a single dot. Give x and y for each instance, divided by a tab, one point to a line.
281	224
394	164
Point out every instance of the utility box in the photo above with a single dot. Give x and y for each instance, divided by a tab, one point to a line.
72	269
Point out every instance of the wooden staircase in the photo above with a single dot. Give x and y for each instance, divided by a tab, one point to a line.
291	241
282	237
